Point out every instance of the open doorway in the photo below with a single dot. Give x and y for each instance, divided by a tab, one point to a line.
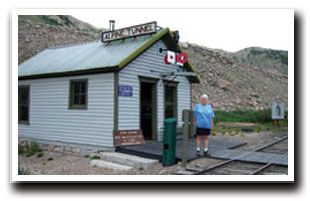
148	114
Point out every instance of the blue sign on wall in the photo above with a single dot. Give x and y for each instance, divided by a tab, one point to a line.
124	90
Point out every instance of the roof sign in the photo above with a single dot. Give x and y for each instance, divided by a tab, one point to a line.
128	32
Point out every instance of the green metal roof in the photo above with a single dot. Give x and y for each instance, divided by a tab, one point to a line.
92	56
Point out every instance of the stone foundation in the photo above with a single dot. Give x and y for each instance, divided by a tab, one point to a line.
61	148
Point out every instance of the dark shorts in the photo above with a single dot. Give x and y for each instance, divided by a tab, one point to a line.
203	131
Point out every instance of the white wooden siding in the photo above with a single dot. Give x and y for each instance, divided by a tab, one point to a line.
151	59
50	119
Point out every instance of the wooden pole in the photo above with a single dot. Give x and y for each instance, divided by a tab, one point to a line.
186	116
192	126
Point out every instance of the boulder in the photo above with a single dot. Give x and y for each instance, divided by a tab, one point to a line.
222	83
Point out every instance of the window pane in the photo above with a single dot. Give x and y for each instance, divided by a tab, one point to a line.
169	111
76	88
23	102
24	96
170	102
76	100
169	94
83	87
83	99
78	93
23	113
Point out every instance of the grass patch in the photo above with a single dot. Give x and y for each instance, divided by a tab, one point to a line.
270	127
261	118
40	154
250	116
22	171
32	18
31	149
34	147
95	157
29	153
227	130
20	150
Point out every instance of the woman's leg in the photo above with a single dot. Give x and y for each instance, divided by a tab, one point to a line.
198	142
205	141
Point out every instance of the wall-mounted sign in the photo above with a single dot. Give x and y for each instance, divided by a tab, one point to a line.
174	58
277	110
128	137
128	32
125	90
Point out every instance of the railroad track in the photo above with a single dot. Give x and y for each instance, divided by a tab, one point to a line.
236	167
278	148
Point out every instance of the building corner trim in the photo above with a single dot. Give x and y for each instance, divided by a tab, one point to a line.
116	79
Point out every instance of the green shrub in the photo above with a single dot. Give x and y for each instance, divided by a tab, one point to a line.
48	20
249	116
50	159
40	154
264	116
22	171
95	157
86	156
20	150
34	147
29	153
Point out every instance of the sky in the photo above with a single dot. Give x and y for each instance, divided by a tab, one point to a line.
227	29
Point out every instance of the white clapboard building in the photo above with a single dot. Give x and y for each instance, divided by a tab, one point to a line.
78	95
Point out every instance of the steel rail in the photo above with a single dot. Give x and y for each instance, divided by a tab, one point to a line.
270	144
236	158
261	169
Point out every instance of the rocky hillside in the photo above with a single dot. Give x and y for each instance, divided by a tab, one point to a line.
38	32
266	59
234	84
249	79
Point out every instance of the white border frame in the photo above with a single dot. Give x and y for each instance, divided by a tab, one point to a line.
135	178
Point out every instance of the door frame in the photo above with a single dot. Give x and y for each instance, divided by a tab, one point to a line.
175	84
153	81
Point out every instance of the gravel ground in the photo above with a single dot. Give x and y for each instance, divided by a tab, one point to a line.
66	164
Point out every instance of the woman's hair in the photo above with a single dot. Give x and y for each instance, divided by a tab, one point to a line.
204	96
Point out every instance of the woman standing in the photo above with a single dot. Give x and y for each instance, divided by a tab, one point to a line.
204	123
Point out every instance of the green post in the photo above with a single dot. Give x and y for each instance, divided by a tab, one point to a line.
169	141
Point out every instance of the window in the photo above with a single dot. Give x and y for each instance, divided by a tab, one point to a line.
78	94
23	104
170	100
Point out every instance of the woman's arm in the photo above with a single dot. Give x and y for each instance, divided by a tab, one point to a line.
212	124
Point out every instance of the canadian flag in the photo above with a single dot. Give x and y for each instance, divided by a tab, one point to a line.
171	57
174	58
181	58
